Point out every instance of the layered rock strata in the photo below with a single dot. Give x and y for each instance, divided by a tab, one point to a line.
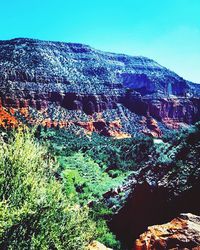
36	73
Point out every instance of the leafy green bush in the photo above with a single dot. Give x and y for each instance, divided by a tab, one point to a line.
99	213
34	211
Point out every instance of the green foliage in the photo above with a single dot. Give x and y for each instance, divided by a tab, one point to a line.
99	213
86	177
71	179
178	159
109	153
83	165
38	211
34	211
105	236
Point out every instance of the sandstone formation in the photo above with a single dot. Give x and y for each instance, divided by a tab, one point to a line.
38	74
112	129
182	232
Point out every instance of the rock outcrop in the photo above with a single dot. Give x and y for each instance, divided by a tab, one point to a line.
112	129
36	74
7	119
182	232
95	245
152	127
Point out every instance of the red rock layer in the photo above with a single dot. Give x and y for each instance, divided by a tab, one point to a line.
151	124
111	129
100	126
7	119
182	109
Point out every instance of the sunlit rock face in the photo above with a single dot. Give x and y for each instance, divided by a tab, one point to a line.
95	245
112	129
36	73
182	232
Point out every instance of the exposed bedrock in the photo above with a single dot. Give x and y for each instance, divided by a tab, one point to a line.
34	73
89	103
185	110
145	83
182	232
72	101
180	109
150	205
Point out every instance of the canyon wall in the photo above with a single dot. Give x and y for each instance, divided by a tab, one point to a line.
34	74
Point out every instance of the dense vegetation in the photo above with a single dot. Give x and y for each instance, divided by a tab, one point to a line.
52	182
47	185
34	211
109	153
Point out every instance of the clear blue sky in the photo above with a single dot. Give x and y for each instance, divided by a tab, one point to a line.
165	30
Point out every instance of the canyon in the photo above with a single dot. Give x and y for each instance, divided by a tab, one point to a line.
37	75
67	85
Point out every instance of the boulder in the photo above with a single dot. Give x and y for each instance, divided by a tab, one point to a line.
182	232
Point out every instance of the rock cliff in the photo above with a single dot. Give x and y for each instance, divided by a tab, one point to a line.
36	74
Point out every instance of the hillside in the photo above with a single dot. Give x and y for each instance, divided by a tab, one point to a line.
95	149
66	80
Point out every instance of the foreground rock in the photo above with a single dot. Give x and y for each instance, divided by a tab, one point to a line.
95	245
182	232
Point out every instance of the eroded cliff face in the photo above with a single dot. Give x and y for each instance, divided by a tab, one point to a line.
64	84
89	104
180	109
36	74
175	108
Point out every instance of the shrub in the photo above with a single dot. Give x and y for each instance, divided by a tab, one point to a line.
34	211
